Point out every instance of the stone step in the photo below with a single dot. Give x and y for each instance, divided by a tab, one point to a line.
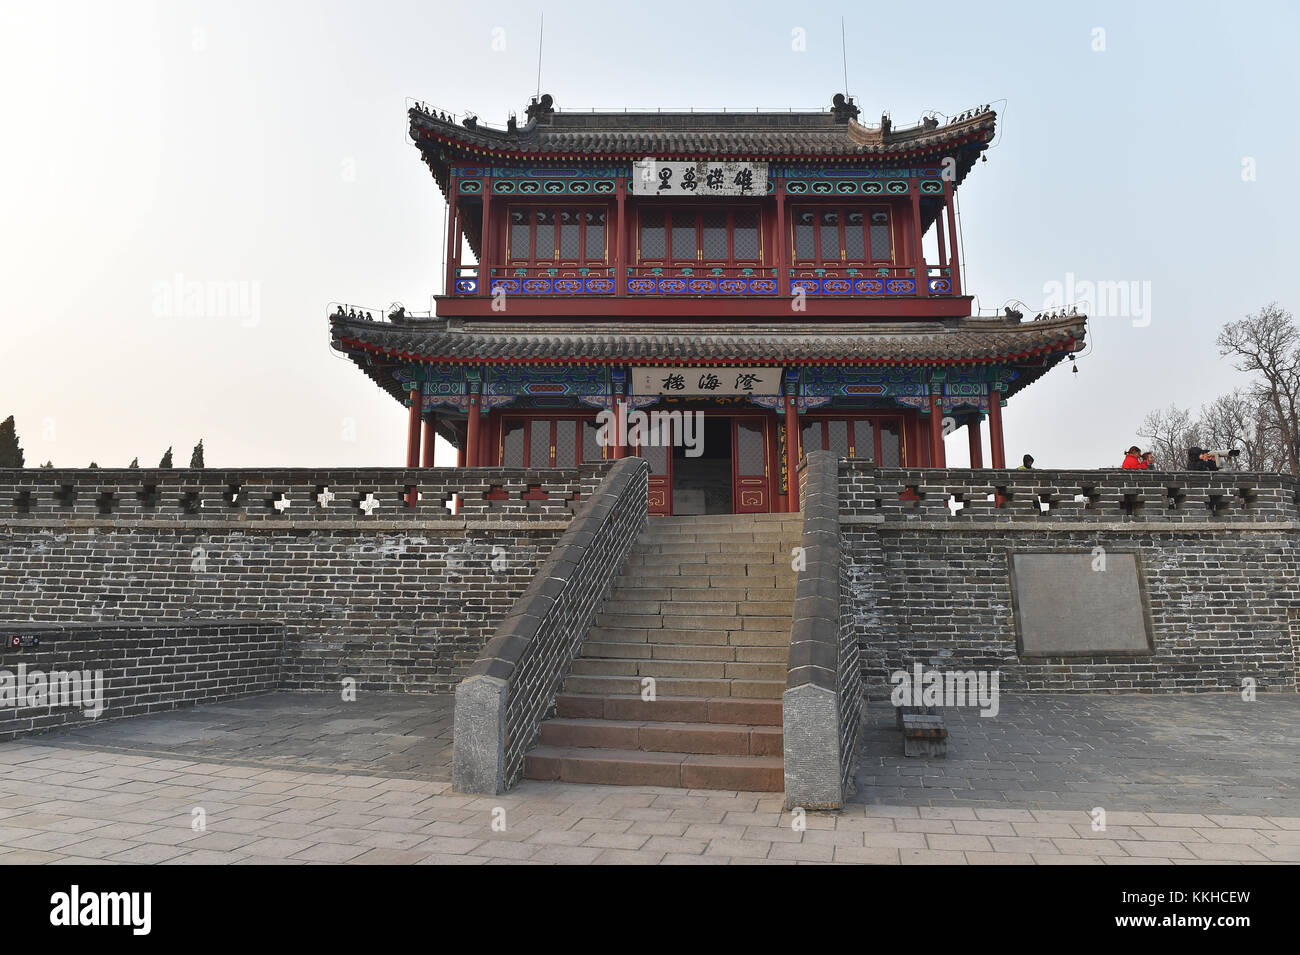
720	739
632	592
683	651
730	558
677	686
614	767
680	709
677	669
705	637
696	520
713	542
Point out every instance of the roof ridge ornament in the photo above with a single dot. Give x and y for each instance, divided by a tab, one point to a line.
540	109
843	108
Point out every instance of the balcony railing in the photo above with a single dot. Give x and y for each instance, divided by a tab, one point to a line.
761	281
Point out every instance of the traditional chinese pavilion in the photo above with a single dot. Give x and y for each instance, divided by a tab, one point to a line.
767	269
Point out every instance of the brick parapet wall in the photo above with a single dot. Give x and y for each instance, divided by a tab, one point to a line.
1218	555
512	685
146	667
402	598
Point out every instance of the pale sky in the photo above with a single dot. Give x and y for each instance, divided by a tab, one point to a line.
261	146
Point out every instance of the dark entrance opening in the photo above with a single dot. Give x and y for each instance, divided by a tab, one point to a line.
702	484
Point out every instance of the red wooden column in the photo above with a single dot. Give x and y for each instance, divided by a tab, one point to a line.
430	439
453	235
620	238
954	265
976	444
938	234
472	428
620	426
782	250
485	239
416	401
937	457
792	451
461	441
918	249
997	450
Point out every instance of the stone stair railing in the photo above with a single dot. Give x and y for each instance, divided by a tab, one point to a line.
823	699
505	695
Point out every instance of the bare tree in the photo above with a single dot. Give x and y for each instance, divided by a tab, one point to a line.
1168	433
1240	420
1267	346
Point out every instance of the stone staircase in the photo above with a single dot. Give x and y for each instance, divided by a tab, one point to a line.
703	607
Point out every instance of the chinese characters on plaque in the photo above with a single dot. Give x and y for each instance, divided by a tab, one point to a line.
706	381
651	177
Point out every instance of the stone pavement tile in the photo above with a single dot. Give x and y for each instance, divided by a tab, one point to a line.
643	814
1169	834
925	825
442	858
268	860
50	822
1041	858
1183	819
691	859
1285	822
29	857
744	848
946	812
801	851
588	824
451	845
50	841
616	840
752	819
1087	847
865	823
331	852
1290	837
494	849
456	830
1215	862
930	857
998	858
898	812
782	833
1135	860
1226	851
981	828
655	828
834	837
567	855
557	837
676	846
702	831
282	848
703	816
98	848
628	857
1249	837
939	840
894	840
1239	822
205	857
76	860
1033	846
1110	832
854	855
1045	830
216	841
148	854
1273	853
1161	850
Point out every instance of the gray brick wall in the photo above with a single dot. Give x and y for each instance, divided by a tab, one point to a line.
146	667
1218	553
400	598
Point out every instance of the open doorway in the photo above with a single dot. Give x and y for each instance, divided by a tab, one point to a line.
703	484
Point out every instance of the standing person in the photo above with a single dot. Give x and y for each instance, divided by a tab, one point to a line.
1027	463
1133	459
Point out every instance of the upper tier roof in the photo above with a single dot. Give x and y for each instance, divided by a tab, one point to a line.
836	135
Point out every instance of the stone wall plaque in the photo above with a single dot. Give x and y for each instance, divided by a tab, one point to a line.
1079	603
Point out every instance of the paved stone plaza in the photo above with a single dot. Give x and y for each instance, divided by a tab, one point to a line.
302	778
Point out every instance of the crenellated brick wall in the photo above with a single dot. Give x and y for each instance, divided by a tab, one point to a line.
1217	553
393	596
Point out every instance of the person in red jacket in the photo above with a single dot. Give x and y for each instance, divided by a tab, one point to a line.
1133	459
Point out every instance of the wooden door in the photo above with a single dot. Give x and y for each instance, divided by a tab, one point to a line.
750	491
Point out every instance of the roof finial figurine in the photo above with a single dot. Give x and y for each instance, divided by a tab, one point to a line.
843	108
